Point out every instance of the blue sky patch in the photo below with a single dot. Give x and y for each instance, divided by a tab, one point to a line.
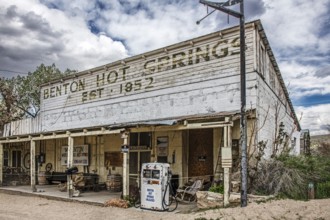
93	27
308	101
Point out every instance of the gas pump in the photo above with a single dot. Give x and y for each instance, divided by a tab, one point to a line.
155	187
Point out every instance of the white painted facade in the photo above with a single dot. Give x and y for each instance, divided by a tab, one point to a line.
193	77
273	104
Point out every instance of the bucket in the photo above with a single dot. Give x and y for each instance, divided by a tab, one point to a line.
42	178
114	182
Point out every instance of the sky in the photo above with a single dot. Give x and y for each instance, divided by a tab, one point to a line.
81	34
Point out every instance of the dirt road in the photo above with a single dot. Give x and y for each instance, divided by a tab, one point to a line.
34	208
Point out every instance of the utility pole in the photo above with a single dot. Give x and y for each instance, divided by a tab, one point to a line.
243	129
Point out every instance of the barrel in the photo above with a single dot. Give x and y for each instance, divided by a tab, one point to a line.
42	178
114	183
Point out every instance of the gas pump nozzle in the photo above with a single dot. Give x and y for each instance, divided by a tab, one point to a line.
169	174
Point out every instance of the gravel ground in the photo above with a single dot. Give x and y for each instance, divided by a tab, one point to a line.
34	208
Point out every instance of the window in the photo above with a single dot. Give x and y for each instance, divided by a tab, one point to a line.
5	158
140	139
271	77
16	158
262	60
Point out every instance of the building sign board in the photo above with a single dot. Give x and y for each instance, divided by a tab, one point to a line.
80	155
140	77
187	79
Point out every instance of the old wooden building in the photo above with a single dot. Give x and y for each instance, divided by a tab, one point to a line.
179	104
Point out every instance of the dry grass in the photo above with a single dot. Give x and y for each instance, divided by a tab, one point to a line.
273	177
117	203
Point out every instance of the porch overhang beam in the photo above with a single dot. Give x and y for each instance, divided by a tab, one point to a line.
219	124
55	135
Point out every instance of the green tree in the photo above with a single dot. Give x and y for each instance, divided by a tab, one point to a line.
20	96
8	110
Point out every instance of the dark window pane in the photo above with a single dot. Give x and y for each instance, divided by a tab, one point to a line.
145	139
133	139
16	158
133	161
162	159
19	159
144	157
14	162
5	159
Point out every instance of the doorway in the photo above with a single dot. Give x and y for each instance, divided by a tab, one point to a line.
136	159
200	160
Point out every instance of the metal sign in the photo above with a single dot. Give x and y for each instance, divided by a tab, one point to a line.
124	148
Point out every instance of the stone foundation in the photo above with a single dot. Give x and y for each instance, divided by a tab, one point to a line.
206	199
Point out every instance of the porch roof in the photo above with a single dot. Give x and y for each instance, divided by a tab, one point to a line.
204	117
205	120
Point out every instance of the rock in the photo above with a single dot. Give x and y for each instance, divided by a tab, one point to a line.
256	198
235	198
235	186
206	199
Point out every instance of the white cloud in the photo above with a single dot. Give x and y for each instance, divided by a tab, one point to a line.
314	118
294	23
48	36
154	27
302	80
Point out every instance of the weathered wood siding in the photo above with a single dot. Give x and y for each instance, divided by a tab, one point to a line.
21	127
183	79
272	105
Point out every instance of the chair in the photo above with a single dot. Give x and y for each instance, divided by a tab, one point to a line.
189	193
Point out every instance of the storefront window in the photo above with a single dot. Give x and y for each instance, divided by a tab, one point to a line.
16	158
5	158
140	139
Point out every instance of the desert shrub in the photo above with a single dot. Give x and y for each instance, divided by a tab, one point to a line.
323	190
273	177
323	149
289	175
216	189
317	168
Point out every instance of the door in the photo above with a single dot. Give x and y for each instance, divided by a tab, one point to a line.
200	160
136	159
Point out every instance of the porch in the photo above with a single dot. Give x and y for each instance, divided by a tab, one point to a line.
89	197
52	192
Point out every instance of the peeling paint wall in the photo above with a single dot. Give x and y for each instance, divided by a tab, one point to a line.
272	105
165	83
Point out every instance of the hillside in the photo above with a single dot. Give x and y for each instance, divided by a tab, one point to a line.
317	139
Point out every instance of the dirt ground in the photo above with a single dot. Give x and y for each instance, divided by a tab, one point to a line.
34	208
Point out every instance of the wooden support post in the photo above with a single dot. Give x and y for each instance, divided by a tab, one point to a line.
125	165
226	158
33	166
69	165
1	164
226	189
